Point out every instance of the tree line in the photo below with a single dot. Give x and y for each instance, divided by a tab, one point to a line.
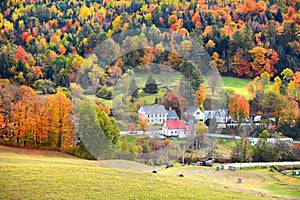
33	121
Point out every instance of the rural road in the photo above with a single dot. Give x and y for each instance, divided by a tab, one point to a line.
223	136
238	165
208	134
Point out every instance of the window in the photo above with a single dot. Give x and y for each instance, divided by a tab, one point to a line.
171	132
198	113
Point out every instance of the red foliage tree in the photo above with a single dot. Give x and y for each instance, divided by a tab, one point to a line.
21	54
131	127
244	69
175	101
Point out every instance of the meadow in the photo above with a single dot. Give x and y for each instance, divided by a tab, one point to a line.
37	174
238	85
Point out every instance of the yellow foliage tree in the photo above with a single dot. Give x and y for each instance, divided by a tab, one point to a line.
210	44
117	23
219	62
143	124
277	84
85	12
201	95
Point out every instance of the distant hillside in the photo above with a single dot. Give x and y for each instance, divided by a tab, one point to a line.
44	42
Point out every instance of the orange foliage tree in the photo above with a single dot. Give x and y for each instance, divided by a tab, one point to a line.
290	113
23	116
62	128
39	121
1	119
238	108
220	63
201	95
263	60
143	124
21	54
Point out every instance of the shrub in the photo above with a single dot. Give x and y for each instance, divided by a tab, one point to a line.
289	131
150	162
104	93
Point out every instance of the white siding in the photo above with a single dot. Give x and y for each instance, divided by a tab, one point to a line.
199	115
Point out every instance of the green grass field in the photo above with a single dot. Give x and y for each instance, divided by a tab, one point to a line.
34	174
170	80
239	85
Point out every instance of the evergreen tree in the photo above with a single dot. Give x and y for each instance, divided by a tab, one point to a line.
185	89
191	74
133	89
151	86
155	100
4	66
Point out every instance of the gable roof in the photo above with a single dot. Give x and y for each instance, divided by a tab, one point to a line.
155	109
223	112
175	124
172	114
209	114
191	110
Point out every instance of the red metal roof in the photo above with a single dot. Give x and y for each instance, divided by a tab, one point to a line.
175	124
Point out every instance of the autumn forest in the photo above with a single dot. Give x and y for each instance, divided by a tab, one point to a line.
46	49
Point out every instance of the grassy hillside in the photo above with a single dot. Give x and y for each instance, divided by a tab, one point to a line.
238	85
32	174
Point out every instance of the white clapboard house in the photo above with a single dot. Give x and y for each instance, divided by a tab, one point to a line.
175	128
194	114
155	114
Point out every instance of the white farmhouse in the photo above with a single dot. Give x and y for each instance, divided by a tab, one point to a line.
155	114
175	128
193	114
221	115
